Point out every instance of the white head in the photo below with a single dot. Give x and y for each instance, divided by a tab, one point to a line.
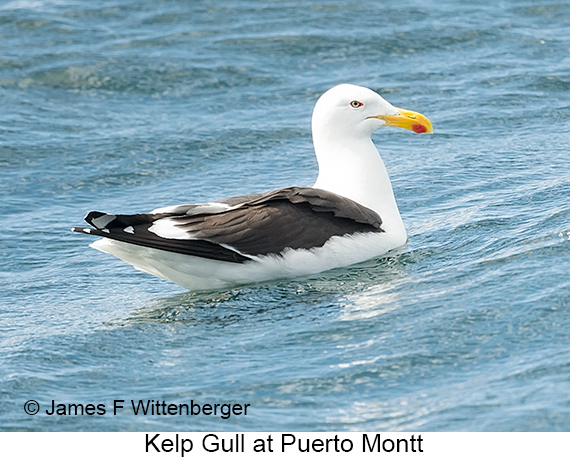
352	112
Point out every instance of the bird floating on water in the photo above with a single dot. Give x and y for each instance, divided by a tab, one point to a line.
348	216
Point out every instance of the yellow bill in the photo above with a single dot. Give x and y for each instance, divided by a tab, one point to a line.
408	120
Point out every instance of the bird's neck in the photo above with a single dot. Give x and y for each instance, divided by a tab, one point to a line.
354	169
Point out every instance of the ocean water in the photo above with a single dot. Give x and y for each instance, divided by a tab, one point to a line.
127	105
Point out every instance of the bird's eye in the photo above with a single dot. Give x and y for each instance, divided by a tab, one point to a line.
356	104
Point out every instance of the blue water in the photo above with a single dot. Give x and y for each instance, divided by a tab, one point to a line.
124	105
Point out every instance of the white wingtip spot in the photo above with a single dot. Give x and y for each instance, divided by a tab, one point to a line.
102	221
130	229
80	230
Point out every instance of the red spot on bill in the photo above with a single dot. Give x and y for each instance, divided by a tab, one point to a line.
419	128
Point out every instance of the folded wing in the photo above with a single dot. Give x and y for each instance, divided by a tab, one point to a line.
239	229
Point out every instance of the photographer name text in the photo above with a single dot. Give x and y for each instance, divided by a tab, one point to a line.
141	408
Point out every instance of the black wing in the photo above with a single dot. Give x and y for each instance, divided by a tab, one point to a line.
238	228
